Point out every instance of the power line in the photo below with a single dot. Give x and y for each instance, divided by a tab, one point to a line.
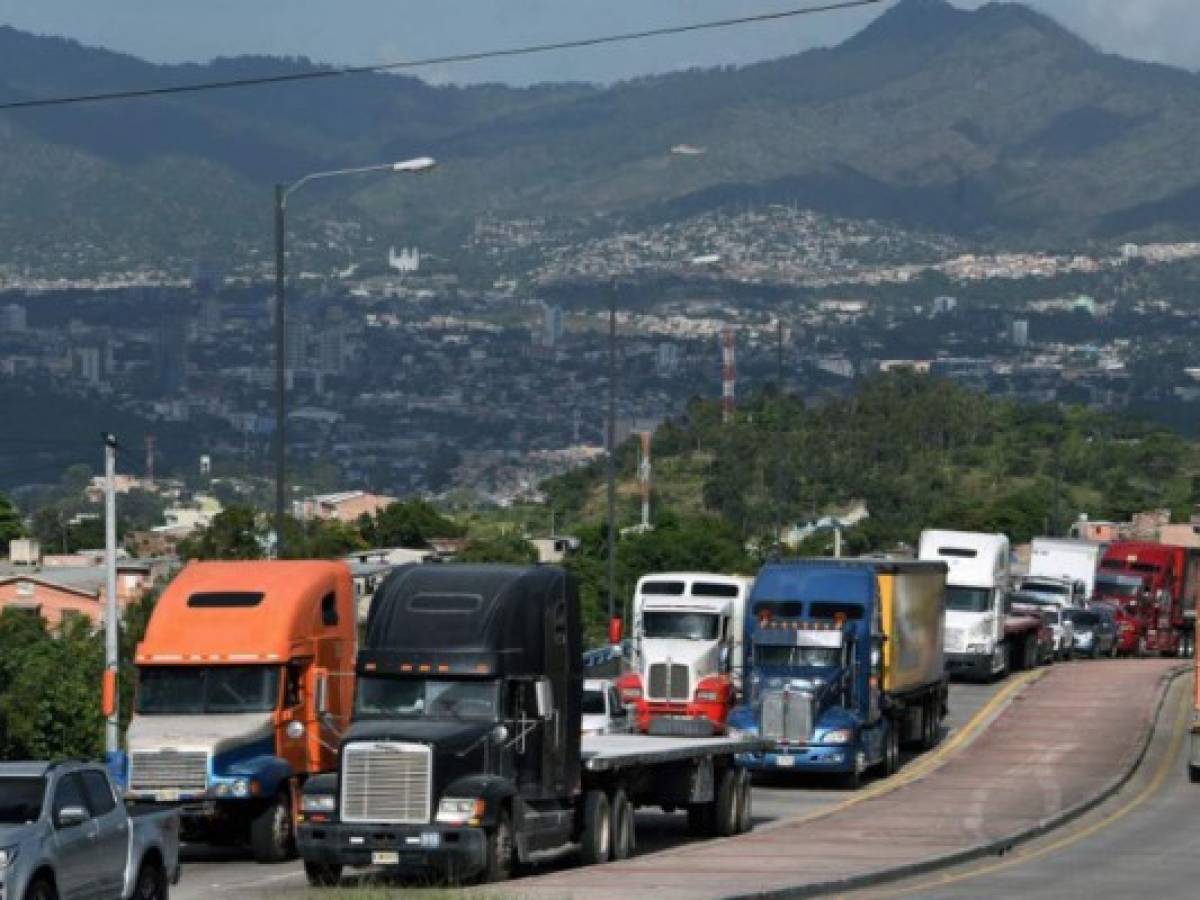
526	50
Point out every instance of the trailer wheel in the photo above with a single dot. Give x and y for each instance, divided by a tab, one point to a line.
322	874
929	723
623	827
700	820
745	814
500	851
272	837
595	846
725	810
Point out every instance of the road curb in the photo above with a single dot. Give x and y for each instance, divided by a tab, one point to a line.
997	847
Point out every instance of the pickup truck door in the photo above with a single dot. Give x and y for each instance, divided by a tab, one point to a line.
73	844
112	839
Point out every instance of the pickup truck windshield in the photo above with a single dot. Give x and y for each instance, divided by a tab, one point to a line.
194	690
683	626
21	800
420	698
795	657
968	599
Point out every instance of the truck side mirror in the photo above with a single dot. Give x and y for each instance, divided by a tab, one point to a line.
544	698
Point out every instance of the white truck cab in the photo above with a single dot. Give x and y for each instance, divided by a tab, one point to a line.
976	587
688	633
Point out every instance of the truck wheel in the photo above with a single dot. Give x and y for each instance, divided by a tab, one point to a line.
595	846
322	874
745	802
271	833
725	811
151	883
1194	774
890	764
623	826
929	724
41	889
501	851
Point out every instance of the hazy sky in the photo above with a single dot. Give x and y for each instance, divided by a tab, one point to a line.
369	31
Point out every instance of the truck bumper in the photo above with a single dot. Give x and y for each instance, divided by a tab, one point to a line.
971	665
712	713
835	758
450	852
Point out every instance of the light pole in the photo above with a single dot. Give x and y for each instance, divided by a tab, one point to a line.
610	441
282	193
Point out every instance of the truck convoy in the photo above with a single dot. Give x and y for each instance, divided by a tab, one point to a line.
465	758
844	663
245	682
64	833
687	638
1170	583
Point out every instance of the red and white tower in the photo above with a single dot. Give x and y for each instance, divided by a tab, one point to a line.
728	373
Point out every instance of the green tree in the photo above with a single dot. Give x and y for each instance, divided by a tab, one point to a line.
11	526
320	539
233	534
410	523
509	548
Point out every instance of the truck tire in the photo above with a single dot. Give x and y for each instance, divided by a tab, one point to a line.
151	882
272	837
623	826
890	764
322	874
745	801
501	851
595	844
41	889
931	726
1194	774
725	809
700	819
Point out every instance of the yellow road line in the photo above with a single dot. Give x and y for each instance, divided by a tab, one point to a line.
928	762
1019	858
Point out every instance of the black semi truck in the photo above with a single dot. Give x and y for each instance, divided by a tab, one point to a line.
464	758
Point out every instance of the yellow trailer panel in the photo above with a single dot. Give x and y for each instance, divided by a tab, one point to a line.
912	603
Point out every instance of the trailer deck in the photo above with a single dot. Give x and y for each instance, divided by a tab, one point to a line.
606	752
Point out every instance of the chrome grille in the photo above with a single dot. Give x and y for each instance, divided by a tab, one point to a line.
669	682
956	640
787	716
168	770
386	783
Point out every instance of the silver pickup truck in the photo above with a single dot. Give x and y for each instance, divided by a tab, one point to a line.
64	835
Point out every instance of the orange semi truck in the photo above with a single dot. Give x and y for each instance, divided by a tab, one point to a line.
245	683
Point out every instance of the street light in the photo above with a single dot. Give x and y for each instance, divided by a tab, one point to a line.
282	193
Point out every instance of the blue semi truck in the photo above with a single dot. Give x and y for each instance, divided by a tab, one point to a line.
844	665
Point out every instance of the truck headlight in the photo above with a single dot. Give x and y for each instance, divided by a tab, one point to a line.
457	811
8	856
838	736
318	803
240	787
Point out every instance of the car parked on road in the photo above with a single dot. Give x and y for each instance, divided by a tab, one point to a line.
1095	633
64	834
1052	638
602	709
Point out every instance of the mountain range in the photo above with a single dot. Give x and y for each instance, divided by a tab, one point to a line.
997	124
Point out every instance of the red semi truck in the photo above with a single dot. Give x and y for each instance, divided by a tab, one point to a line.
1170	583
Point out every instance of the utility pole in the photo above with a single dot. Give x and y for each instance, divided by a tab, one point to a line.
780	407
610	440
280	362
112	662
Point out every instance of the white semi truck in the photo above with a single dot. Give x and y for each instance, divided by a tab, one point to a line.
687	637
1074	560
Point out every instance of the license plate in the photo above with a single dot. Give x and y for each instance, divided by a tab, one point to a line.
168	796
785	762
385	858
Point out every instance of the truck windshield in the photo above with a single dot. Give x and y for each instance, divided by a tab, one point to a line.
194	690
968	599
593	703
682	626
421	698
795	657
21	799
1126	590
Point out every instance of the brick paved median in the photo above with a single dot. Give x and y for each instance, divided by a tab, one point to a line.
1060	742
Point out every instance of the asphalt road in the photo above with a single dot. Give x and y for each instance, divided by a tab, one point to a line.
231	874
1143	842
